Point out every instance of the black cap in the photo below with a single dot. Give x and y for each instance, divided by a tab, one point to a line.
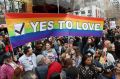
7	55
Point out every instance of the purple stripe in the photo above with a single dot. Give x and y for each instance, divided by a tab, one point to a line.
21	40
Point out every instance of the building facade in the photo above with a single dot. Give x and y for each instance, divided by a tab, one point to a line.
91	8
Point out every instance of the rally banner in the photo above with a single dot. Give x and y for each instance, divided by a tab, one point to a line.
28	27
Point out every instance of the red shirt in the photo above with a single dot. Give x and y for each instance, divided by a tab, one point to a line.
54	67
8	48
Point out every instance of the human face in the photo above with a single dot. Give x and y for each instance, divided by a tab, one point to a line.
34	76
66	45
38	46
71	40
30	51
89	40
118	68
88	61
51	39
59	42
9	59
72	51
113	47
48	46
107	43
47	60
70	45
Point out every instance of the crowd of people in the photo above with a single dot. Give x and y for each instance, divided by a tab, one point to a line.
64	57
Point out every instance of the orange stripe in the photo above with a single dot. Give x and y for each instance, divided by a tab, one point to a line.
42	15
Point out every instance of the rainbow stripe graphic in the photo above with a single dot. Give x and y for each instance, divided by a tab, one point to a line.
27	27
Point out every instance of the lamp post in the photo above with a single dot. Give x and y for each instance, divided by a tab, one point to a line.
58	5
5	5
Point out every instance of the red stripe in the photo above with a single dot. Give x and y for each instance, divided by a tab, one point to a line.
32	15
43	15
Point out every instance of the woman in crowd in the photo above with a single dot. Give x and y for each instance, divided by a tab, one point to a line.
49	51
60	46
71	72
10	70
87	69
89	45
74	54
65	46
97	58
117	70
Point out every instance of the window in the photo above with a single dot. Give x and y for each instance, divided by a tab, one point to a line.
76	13
89	11
82	12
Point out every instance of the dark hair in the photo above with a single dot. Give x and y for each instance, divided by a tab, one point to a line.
91	44
72	73
28	75
84	58
26	49
98	55
61	41
67	62
55	76
38	42
90	38
7	55
50	43
65	40
77	51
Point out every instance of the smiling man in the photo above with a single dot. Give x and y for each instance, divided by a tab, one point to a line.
28	60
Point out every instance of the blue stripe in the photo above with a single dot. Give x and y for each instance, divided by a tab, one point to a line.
21	40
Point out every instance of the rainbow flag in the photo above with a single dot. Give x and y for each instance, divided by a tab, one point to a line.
28	27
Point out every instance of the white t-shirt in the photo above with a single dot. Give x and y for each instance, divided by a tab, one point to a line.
110	58
28	62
